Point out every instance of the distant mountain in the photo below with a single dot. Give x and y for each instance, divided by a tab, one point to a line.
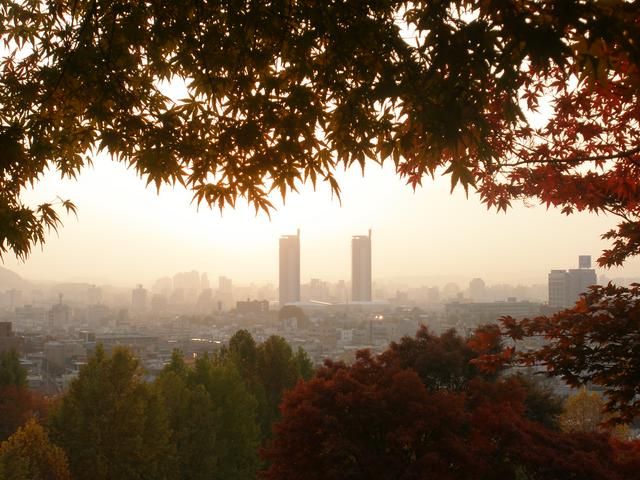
10	280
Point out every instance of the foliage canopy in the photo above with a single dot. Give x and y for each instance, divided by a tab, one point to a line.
29	455
112	424
281	92
378	419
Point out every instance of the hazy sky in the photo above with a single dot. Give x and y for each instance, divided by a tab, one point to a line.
126	234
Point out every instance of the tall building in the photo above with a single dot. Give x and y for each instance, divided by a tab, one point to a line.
565	286
361	268
289	278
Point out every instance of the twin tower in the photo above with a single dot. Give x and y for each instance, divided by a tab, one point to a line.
290	268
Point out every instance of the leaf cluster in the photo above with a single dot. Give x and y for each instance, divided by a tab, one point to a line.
595	342
378	419
279	93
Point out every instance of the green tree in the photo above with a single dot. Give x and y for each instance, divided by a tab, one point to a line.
542	405
242	351
112	424
212	417
29	455
305	365
11	372
268	369
278	371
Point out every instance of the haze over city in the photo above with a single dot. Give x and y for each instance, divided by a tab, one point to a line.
127	234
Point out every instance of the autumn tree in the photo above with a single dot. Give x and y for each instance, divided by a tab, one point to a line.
213	420
17	403
585	411
594	342
369	420
279	93
441	361
29	455
376	420
112	424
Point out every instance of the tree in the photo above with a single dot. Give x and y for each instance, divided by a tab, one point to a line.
112	424
542	405
268	370
293	311
29	455
212	418
376	420
279	93
17	405
242	351
191	419
11	372
369	420
443	362
585	411
17	402
305	365
597	341
278	371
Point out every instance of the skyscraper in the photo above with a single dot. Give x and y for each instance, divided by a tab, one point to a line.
289	269
361	268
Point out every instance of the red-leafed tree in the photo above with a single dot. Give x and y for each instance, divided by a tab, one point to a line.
370	420
597	341
443	361
17	406
17	403
376	420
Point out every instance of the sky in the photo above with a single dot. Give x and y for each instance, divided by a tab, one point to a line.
127	234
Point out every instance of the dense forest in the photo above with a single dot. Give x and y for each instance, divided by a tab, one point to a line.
427	407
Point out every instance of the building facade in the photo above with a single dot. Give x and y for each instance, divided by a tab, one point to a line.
361	268
565	286
289	276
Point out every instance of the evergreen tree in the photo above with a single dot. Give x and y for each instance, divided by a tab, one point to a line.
112	424
305	365
11	372
278	371
212	417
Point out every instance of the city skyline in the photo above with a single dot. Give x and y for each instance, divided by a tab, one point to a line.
126	234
